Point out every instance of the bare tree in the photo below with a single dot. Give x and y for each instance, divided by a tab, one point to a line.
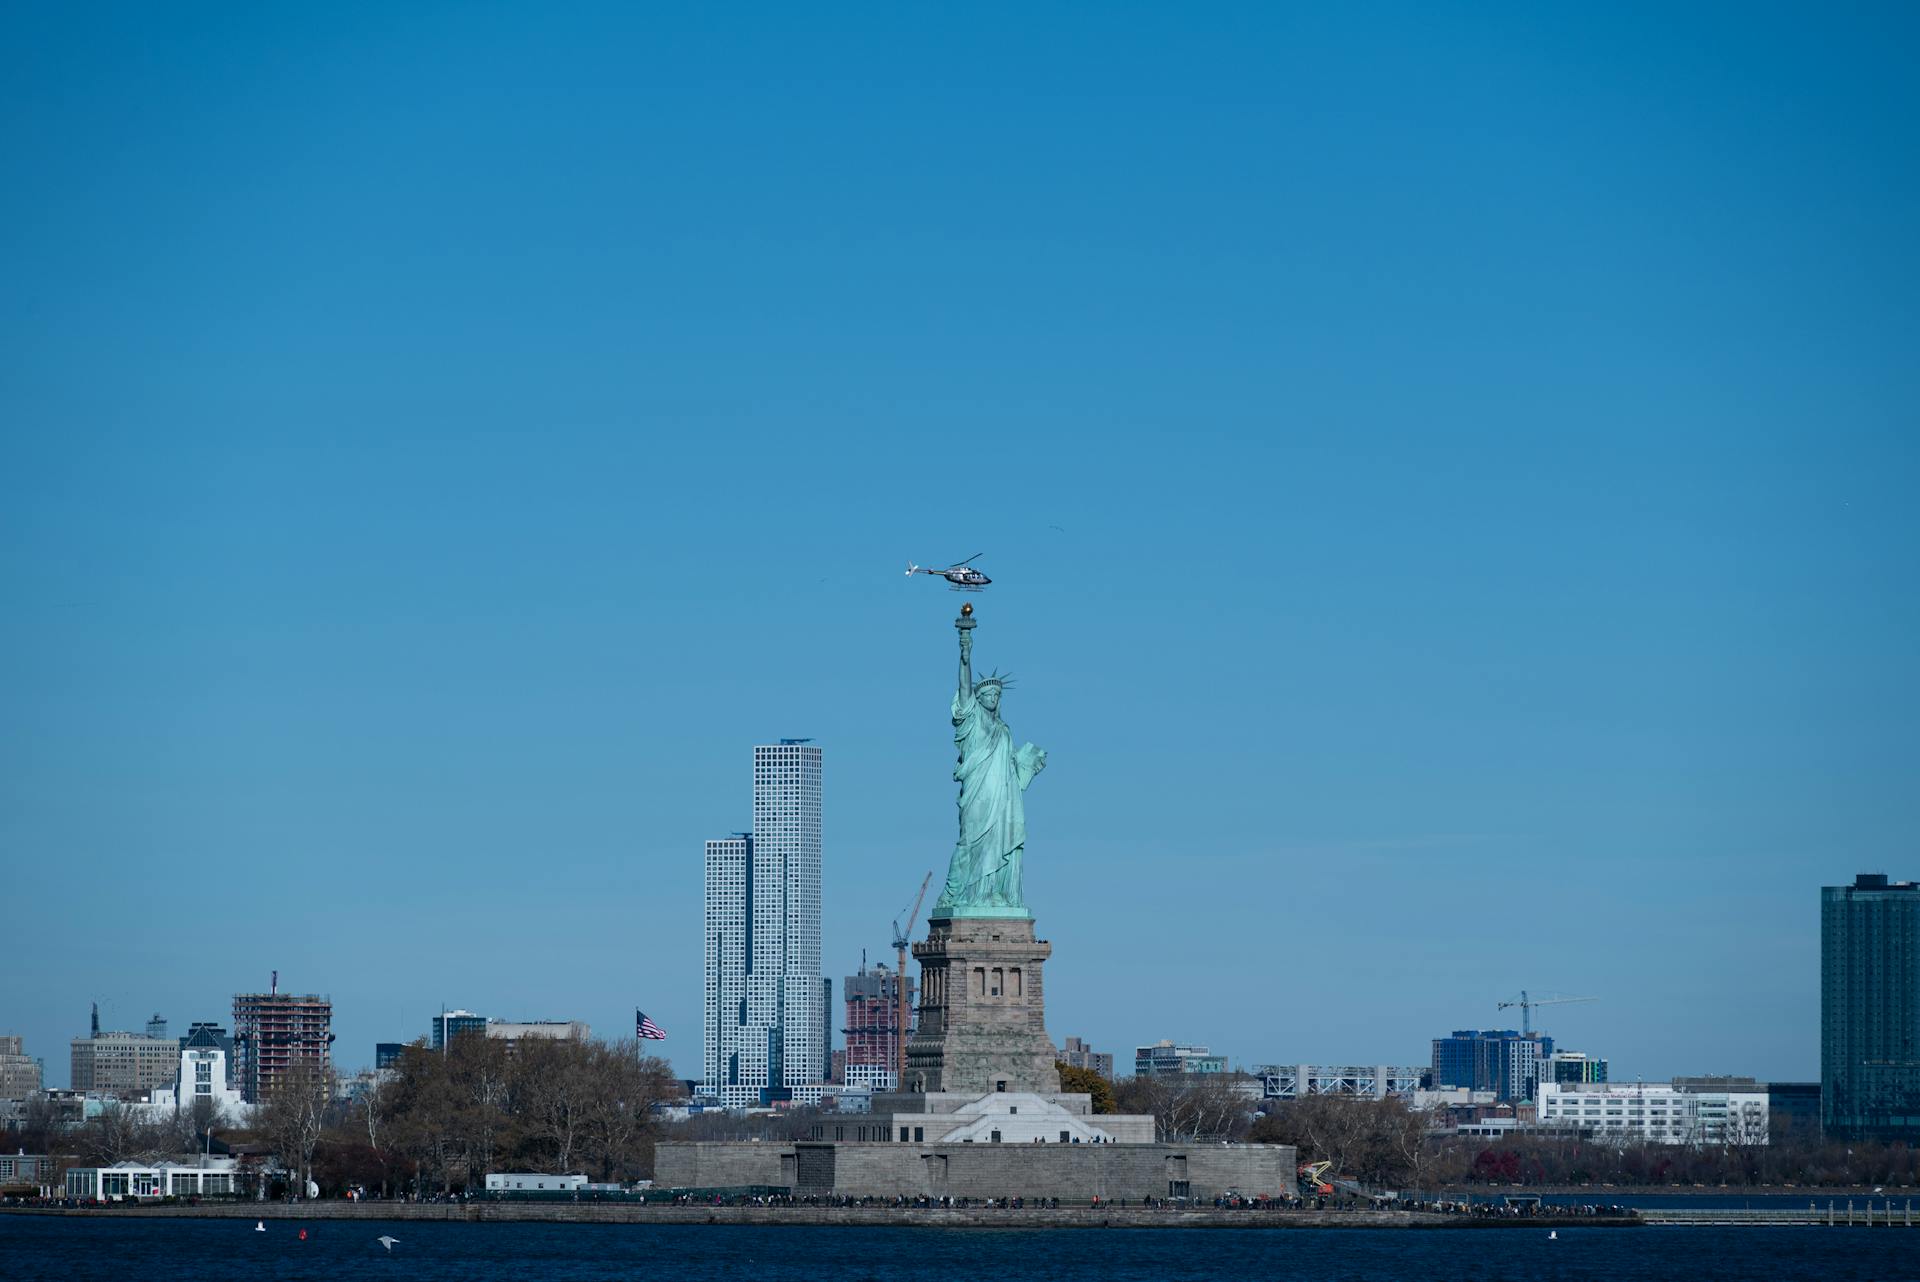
369	1117
558	1094
1333	1128
38	1125
424	1116
293	1116
108	1136
1189	1106
1744	1144
1380	1142
187	1130
118	1133
371	1108
619	1113
1411	1155
485	1078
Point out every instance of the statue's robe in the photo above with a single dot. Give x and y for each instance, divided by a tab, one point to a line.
985	868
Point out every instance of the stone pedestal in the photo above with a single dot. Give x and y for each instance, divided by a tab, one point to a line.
982	1022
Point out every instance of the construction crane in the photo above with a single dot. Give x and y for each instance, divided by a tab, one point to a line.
1526	1005
900	942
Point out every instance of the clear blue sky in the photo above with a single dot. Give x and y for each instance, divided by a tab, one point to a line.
1448	474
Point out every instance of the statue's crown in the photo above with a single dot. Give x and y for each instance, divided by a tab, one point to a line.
997	679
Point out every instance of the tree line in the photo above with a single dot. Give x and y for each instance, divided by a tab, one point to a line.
438	1121
1384	1144
435	1122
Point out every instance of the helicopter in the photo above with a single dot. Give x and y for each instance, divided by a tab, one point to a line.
961	574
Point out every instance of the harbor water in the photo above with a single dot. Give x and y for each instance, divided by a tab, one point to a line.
80	1249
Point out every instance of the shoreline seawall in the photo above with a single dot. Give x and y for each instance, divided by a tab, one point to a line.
1078	1217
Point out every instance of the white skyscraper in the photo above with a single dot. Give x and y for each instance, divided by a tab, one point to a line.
728	953
766	1002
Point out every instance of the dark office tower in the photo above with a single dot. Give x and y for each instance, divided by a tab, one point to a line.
449	1024
1870	1009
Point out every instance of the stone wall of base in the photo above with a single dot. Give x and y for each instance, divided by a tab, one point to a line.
1077	1172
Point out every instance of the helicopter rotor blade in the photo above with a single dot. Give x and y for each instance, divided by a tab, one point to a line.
975	557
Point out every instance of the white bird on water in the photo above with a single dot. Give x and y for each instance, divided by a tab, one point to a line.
386	1241
1553	1235
259	1226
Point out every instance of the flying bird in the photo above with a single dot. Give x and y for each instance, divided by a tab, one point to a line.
386	1241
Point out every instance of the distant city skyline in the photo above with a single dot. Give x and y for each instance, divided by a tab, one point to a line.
1449	472
459	1020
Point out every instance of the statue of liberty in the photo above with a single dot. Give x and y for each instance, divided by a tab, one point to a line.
983	878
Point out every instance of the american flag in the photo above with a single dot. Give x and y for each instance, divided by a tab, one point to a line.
646	1029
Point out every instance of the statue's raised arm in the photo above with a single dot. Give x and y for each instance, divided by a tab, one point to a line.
965	691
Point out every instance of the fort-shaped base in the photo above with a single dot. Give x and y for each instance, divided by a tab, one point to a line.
982	1009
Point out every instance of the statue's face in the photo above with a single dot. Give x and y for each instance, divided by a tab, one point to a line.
990	698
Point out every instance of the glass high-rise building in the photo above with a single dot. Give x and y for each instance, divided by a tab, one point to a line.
765	1025
1870	1009
1573	1068
1501	1060
727	1062
449	1024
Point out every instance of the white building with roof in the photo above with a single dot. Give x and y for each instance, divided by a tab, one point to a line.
534	1182
192	1177
1014	1117
200	1086
531	1030
1654	1112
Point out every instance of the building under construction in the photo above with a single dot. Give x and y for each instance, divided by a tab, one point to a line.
872	1029
276	1034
